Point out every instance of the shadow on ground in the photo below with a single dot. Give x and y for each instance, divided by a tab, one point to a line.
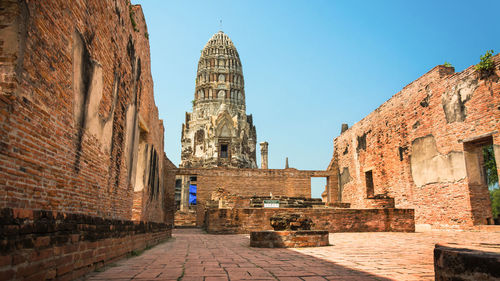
194	255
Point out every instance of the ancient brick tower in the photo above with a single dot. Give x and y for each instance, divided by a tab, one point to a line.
218	133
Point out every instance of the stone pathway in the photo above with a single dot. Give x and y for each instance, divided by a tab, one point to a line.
193	255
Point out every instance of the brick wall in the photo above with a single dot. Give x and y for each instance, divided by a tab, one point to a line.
245	220
81	144
40	245
415	146
169	171
76	105
249	182
185	218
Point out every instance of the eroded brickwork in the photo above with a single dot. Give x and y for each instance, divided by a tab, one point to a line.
47	245
245	220
422	147
77	110
250	182
81	145
219	133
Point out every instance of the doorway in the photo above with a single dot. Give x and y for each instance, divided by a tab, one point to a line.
482	174
318	187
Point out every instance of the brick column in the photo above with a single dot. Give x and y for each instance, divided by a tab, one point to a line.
263	155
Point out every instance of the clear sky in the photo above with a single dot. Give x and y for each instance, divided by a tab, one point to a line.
310	66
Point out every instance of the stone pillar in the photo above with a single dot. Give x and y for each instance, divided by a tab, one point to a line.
263	155
344	128
185	194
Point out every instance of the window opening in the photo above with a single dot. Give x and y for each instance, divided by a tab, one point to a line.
223	151
370	190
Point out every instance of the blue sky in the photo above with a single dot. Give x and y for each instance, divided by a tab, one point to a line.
310	66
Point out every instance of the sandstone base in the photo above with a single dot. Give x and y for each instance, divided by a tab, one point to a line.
289	238
472	263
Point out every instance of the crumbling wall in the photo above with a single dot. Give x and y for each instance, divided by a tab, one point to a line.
246	220
413	144
75	92
169	172
249	182
76	101
49	245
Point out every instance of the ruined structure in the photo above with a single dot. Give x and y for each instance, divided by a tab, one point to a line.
424	148
83	176
218	133
291	230
229	200
263	154
218	151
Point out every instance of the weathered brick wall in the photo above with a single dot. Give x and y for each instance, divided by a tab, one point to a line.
289	239
185	218
81	145
169	172
41	245
151	131
249	182
414	146
245	220
76	105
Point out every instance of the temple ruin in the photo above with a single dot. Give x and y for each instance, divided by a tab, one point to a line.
85	181
424	148
219	133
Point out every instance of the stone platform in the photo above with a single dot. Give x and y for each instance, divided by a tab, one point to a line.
467	262
246	220
289	238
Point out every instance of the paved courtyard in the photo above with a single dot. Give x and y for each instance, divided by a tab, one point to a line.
194	255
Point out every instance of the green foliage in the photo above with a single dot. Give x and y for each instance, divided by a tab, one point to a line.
490	166
492	179
447	64
495	202
485	65
146	35
132	18
135	253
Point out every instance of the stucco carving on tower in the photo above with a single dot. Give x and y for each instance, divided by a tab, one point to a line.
218	132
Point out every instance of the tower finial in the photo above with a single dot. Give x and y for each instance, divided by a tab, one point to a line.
220	24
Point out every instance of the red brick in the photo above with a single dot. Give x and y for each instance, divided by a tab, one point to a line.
5	260
45	142
23	213
41	254
417	112
18	258
7	274
42	241
63	269
245	220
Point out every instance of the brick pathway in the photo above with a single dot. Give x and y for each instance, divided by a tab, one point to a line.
193	255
